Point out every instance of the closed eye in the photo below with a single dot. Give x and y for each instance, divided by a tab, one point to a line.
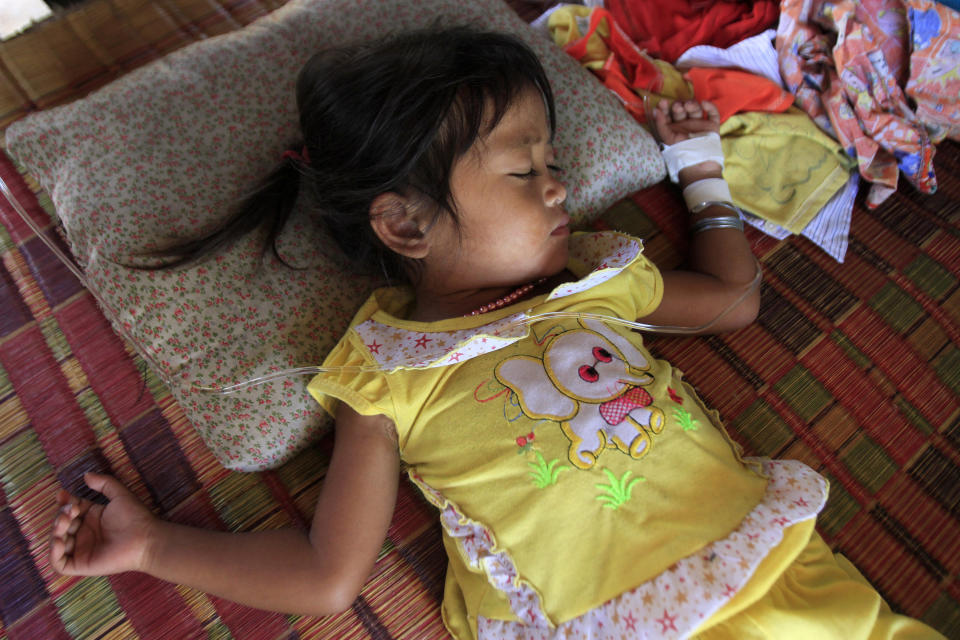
533	173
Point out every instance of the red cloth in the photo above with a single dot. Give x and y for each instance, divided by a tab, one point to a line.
735	91
626	69
667	28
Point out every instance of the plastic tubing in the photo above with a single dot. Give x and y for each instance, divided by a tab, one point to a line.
313	370
527	320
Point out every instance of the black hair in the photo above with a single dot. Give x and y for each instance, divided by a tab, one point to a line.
393	115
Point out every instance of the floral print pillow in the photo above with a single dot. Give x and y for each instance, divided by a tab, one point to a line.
161	154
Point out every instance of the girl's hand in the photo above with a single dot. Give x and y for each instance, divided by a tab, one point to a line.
674	121
677	121
91	539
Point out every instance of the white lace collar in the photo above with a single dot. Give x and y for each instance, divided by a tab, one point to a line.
402	344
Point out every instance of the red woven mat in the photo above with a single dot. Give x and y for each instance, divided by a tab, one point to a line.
852	368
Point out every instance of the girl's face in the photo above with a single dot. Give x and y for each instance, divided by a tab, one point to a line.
513	228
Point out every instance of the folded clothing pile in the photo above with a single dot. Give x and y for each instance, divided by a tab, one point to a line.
789	167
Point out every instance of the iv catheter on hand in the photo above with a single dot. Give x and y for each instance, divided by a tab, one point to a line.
524	320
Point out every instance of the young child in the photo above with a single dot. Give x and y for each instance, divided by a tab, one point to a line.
583	488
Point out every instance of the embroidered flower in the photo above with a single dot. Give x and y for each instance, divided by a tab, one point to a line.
525	442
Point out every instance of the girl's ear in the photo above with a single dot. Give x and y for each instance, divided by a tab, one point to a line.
398	224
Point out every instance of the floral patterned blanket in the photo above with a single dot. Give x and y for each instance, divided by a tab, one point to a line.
881	76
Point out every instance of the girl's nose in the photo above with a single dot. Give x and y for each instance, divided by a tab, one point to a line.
555	192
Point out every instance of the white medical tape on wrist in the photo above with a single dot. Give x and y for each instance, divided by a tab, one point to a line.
708	189
691	151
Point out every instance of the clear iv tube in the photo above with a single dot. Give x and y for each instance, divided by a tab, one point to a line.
525	320
313	370
71	266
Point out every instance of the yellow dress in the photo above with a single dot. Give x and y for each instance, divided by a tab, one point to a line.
583	487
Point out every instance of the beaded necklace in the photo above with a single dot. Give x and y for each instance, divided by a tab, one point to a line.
516	294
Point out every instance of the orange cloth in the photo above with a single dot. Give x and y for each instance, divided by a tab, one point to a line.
735	91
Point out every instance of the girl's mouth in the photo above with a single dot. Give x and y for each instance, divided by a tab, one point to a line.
563	229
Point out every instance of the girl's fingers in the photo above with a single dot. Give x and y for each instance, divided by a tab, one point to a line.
106	485
72	507
662	112
66	499
74	526
713	114
57	558
678	120
659	122
61	547
694	126
678	111
61	556
688	110
64	520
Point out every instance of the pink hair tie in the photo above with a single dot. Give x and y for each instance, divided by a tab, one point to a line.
303	157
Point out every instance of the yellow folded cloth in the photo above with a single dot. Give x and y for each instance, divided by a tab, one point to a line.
781	166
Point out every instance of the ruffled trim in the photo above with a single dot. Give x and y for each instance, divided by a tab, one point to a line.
670	605
477	544
607	253
618	252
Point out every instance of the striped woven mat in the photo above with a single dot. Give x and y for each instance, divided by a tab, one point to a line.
853	368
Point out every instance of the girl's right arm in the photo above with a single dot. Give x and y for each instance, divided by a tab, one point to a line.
288	570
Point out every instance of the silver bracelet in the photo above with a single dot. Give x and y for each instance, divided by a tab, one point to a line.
715	203
719	222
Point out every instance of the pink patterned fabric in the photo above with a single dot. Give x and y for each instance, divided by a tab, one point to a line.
616	410
853	66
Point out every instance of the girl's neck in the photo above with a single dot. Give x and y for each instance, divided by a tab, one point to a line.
431	306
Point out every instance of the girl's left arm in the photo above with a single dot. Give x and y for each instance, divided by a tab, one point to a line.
714	286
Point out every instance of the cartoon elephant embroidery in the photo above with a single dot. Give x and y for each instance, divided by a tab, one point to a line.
590	380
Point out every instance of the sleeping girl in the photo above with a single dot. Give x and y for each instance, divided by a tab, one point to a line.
583	488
